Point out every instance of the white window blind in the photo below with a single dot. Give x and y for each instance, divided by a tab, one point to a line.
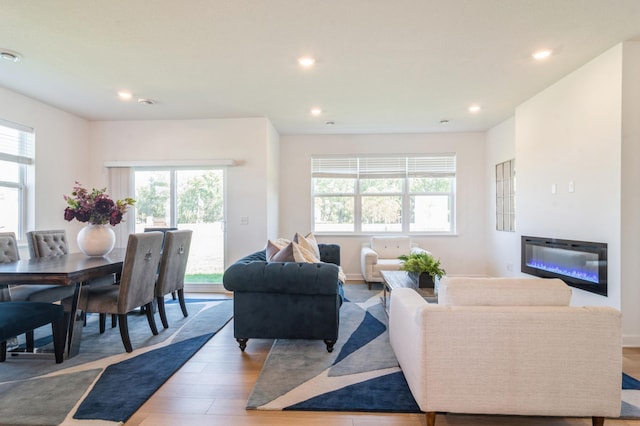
441	165
16	143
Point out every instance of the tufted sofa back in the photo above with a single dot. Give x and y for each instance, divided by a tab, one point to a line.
47	243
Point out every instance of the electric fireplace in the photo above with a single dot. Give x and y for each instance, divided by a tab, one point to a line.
580	264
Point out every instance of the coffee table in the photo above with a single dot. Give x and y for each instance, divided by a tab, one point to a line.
400	279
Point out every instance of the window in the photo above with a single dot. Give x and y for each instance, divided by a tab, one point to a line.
375	194
506	196
16	154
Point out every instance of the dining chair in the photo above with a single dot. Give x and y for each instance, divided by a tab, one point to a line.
136	285
21	317
173	265
8	253
164	231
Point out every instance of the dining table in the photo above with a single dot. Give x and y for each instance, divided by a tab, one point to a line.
74	269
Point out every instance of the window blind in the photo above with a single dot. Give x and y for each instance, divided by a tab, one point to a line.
378	167
16	143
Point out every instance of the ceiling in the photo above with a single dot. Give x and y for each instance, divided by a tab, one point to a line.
383	66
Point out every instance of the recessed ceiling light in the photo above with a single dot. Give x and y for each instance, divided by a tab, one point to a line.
315	111
124	95
541	54
306	61
10	55
145	101
474	108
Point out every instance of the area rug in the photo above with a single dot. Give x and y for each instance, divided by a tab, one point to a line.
103	382
362	374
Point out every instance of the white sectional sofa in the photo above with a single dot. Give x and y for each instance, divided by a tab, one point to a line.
508	346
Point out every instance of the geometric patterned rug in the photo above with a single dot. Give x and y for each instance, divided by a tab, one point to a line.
630	397
103	382
361	374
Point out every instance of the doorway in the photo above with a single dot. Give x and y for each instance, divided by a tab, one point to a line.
186	199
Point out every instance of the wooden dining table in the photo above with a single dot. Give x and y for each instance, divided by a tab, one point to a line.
73	269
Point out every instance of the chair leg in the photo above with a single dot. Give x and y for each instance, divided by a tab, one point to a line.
3	351
114	320
183	305
597	421
103	322
151	319
173	296
59	331
163	313
29	336
124	332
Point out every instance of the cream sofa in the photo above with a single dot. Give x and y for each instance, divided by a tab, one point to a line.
508	346
381	254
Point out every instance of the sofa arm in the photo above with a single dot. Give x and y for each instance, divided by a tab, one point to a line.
368	258
282	277
407	339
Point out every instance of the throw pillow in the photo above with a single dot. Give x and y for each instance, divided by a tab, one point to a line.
301	254
274	246
284	255
309	242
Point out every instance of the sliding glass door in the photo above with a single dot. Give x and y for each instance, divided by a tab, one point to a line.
186	199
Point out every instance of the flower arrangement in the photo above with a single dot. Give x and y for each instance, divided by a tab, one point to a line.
95	207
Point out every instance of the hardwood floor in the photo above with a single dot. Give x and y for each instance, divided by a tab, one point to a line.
213	387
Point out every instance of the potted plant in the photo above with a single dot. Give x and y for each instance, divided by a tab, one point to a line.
423	268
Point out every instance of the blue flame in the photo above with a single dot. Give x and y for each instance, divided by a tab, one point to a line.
580	274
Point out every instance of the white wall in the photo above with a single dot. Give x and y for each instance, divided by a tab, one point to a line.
630	238
462	254
248	141
570	132
61	153
503	254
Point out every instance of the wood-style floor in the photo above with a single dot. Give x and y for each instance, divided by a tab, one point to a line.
212	388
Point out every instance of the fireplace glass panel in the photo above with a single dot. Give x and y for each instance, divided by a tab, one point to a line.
580	264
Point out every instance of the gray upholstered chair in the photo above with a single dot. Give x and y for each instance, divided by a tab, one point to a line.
8	253
173	265
136	286
33	293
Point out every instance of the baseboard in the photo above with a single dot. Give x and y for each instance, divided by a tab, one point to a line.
631	341
204	288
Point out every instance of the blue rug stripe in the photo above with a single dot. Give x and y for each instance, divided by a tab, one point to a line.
140	376
388	393
630	383
368	330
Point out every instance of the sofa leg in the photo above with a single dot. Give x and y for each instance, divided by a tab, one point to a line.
330	344
242	343
597	421
369	284
431	418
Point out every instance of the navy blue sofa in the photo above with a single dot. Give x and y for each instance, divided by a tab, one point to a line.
286	300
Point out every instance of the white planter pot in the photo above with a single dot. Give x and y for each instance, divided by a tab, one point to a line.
96	240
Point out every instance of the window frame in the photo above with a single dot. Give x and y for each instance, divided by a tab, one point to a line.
405	167
18	149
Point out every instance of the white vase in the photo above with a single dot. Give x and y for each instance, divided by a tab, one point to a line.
96	240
